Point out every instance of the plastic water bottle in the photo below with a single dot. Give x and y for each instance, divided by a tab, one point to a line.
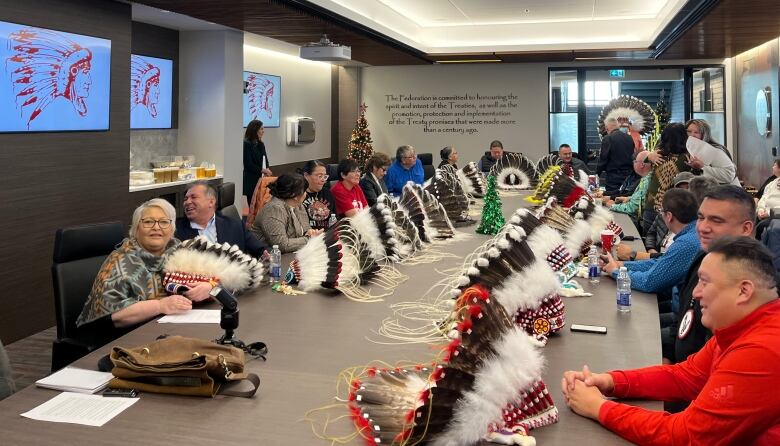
275	272
623	291
594	270
332	220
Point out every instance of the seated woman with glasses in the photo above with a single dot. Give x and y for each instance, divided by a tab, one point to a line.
347	193
283	221
318	202
373	182
128	289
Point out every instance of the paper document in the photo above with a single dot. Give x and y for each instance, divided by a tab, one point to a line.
72	379
77	408
192	317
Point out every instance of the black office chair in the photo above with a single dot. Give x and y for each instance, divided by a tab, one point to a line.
79	251
425	158
226	197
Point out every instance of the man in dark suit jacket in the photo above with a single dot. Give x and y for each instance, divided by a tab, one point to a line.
201	218
617	155
373	183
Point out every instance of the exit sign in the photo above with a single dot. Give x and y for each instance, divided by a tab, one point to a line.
617	73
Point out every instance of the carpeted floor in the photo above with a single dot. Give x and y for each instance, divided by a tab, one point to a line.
31	357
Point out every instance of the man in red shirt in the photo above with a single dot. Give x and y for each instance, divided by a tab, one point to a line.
347	194
730	381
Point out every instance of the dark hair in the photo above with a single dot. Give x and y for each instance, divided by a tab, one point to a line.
777	162
496	143
445	153
700	186
346	166
309	166
378	159
288	185
562	146
251	130
735	194
672	141
209	190
751	254
399	152
682	204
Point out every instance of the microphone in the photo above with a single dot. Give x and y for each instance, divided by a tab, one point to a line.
227	300
176	288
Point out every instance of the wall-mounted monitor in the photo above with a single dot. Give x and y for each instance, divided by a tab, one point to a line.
151	92
53	81
262	98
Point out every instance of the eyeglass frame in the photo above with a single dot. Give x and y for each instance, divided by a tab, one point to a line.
145	223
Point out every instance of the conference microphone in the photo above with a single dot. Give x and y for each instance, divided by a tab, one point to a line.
176	288
227	300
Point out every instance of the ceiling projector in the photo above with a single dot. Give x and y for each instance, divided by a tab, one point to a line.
325	50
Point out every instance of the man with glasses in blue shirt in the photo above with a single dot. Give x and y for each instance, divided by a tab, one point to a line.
405	168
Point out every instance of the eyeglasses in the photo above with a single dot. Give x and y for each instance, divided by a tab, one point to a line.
410	157
320	176
149	223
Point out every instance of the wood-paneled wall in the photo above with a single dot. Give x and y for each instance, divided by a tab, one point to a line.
51	180
156	41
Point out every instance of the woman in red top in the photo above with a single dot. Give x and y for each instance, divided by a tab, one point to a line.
347	193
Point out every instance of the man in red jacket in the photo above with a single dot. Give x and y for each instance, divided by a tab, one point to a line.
731	381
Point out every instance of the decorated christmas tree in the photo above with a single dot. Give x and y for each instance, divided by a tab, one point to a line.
359	146
492	218
662	111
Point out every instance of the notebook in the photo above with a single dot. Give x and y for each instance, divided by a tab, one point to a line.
72	379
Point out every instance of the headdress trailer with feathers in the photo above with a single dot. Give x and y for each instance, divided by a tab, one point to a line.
472	180
488	381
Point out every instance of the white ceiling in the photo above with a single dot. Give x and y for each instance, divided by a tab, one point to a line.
474	26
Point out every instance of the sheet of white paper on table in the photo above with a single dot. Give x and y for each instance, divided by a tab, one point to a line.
72	379
77	408
191	317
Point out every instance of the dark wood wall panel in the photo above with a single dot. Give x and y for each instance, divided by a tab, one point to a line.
156	41
51	180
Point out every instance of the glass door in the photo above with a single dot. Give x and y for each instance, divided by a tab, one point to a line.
564	101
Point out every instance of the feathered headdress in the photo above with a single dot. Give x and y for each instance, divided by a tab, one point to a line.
629	109
447	189
546	162
376	227
413	205
198	260
472	180
489	380
514	171
406	232
555	183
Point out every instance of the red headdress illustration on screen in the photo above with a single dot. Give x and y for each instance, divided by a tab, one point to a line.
45	65
144	84
260	95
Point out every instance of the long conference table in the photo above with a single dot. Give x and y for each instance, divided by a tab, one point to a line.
312	337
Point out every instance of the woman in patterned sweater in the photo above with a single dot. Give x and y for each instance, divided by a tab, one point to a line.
670	159
128	288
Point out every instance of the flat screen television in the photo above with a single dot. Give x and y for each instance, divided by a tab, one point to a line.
262	98
53	81
151	92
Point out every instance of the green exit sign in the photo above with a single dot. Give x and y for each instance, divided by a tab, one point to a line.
617	73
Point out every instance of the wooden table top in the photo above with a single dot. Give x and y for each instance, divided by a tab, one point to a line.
312	337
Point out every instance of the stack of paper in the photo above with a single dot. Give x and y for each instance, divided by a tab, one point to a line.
192	317
72	379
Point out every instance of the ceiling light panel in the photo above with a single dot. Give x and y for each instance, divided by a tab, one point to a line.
505	12
428	12
628	8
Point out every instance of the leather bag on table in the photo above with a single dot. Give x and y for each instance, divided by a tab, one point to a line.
181	366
